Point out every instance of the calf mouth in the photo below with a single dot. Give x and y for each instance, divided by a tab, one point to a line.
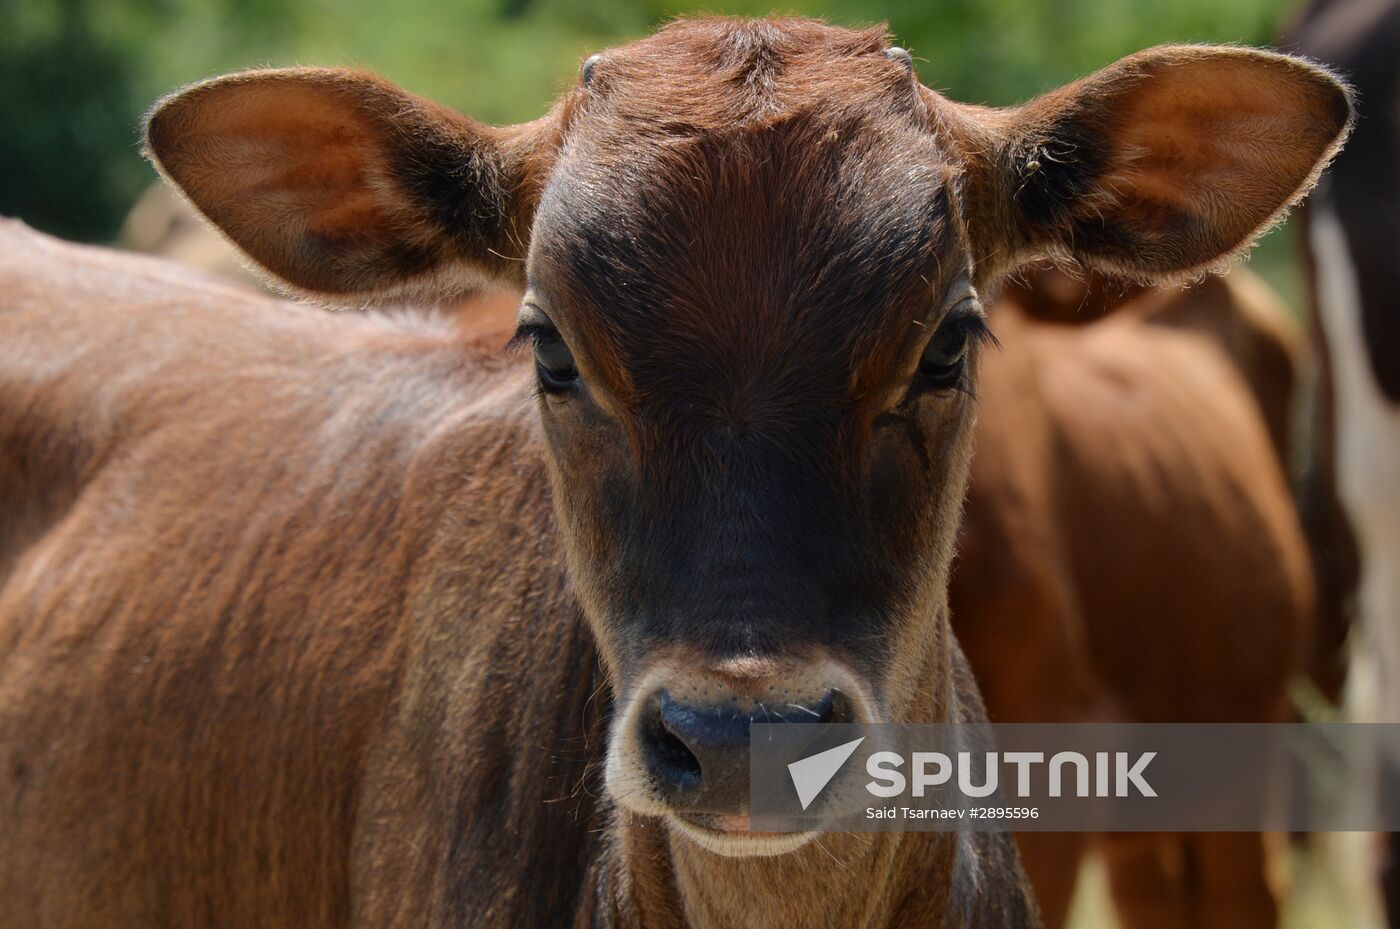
730	837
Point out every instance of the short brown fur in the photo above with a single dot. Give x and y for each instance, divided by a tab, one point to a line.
311	563
1131	553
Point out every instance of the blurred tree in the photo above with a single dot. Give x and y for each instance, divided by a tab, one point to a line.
67	105
75	77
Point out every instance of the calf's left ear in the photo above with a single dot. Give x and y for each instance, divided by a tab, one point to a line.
350	189
1160	167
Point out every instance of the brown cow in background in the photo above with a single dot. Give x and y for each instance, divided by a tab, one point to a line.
1130	551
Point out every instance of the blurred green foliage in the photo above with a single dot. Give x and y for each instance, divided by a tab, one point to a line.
76	75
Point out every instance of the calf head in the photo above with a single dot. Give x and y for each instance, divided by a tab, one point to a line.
752	253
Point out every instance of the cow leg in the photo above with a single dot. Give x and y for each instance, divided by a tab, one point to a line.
1233	874
1052	861
1199	881
1145	875
1390	877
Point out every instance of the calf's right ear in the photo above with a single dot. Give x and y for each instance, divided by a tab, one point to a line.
350	189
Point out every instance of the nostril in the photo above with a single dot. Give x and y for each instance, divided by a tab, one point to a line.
836	707
678	763
667	756
700	753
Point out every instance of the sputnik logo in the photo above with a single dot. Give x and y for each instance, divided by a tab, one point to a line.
811	775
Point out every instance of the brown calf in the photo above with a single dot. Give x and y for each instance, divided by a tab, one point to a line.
286	636
1238	312
1130	553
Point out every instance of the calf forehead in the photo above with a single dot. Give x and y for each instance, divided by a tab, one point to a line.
715	73
775	220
